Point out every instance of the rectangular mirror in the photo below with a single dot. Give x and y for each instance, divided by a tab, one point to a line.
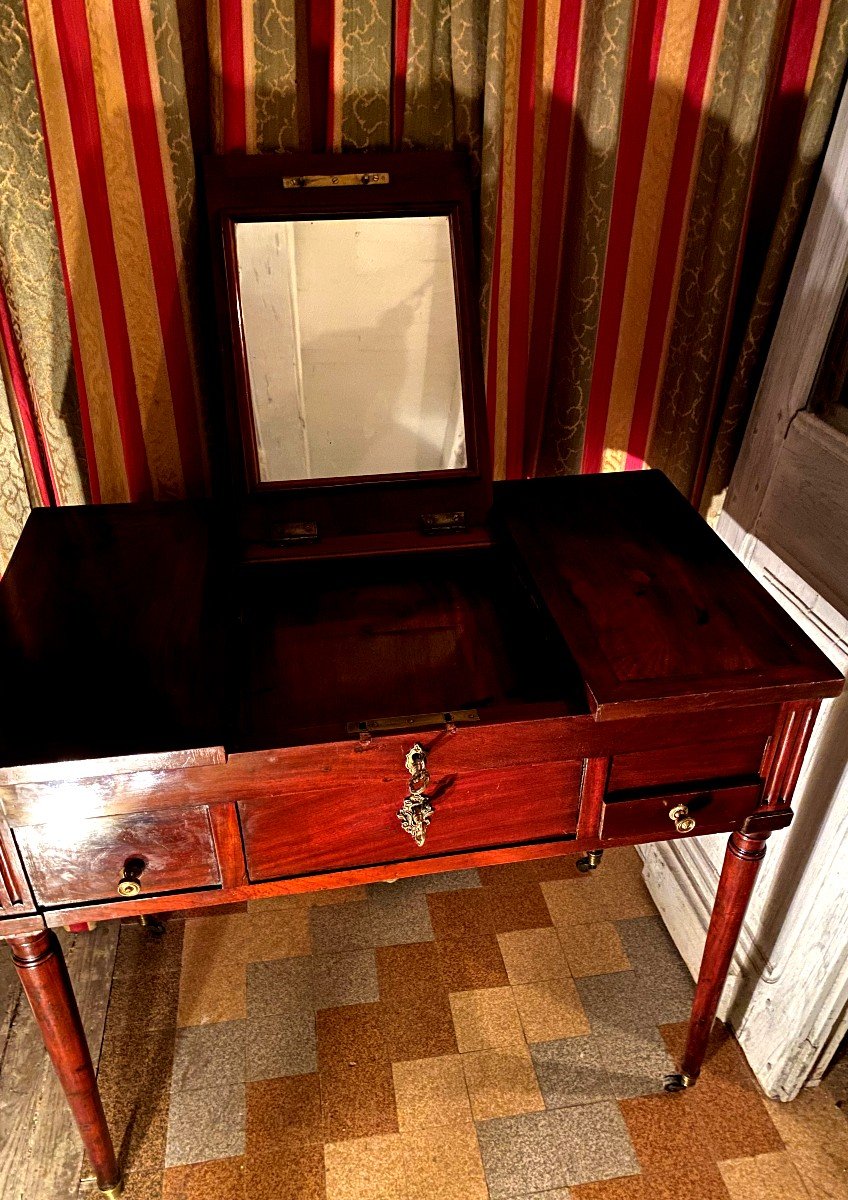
350	339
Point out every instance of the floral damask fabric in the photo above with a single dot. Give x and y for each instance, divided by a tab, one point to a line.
642	170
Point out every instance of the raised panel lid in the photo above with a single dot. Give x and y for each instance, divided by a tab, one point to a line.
658	613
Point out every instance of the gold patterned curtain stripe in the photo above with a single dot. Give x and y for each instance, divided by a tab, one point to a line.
642	171
42	458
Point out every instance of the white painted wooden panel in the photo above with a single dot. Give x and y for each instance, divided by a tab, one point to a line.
804	513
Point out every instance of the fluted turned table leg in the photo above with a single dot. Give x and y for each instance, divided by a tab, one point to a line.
41	967
741	863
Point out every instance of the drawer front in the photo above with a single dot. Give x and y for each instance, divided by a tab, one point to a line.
168	851
357	825
729	758
649	817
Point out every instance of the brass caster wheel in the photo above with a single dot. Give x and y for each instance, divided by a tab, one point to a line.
677	1083
590	862
113	1192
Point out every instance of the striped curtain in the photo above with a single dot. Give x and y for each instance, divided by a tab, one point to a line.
643	169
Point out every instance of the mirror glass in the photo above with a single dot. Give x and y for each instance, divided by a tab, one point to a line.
350	335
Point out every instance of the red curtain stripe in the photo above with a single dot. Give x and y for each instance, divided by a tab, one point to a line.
154	198
234	123
674	217
21	398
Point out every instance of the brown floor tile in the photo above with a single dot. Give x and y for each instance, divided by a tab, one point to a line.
154	954
486	1019
282	1111
404	972
211	991
421	1027
624	896
763	1177
675	1158
139	1128
431	1093
461	914
366	1169
560	867
501	1083
283	933
289	1173
574	901
154	996
222	1179
445	1164
471	962
593	949
815	1133
727	1101
532	955
358	1101
135	1060
623	861
600	896
510	875
629	1187
221	939
550	1010
341	895
520	908
350	1034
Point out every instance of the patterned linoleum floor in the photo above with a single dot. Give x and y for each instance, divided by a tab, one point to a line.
500	1033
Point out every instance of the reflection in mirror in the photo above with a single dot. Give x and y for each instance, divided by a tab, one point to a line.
350	334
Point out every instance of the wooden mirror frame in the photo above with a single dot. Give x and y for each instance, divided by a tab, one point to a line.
265	187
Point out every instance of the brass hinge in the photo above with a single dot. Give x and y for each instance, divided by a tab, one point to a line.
360	179
294	533
444	522
458	716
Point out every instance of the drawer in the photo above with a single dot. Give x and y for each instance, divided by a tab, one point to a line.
357	825
70	863
646	817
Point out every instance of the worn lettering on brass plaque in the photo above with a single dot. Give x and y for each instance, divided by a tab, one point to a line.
361	179
416	810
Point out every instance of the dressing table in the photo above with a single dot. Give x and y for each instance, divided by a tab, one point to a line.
362	660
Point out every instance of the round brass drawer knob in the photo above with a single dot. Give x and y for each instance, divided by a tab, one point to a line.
129	884
683	823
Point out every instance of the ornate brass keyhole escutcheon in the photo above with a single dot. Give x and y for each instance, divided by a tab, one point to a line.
415	812
683	823
129	884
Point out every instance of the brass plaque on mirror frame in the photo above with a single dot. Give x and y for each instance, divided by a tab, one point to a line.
458	716
361	179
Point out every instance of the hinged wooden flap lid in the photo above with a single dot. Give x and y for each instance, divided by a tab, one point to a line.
658	613
350	340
